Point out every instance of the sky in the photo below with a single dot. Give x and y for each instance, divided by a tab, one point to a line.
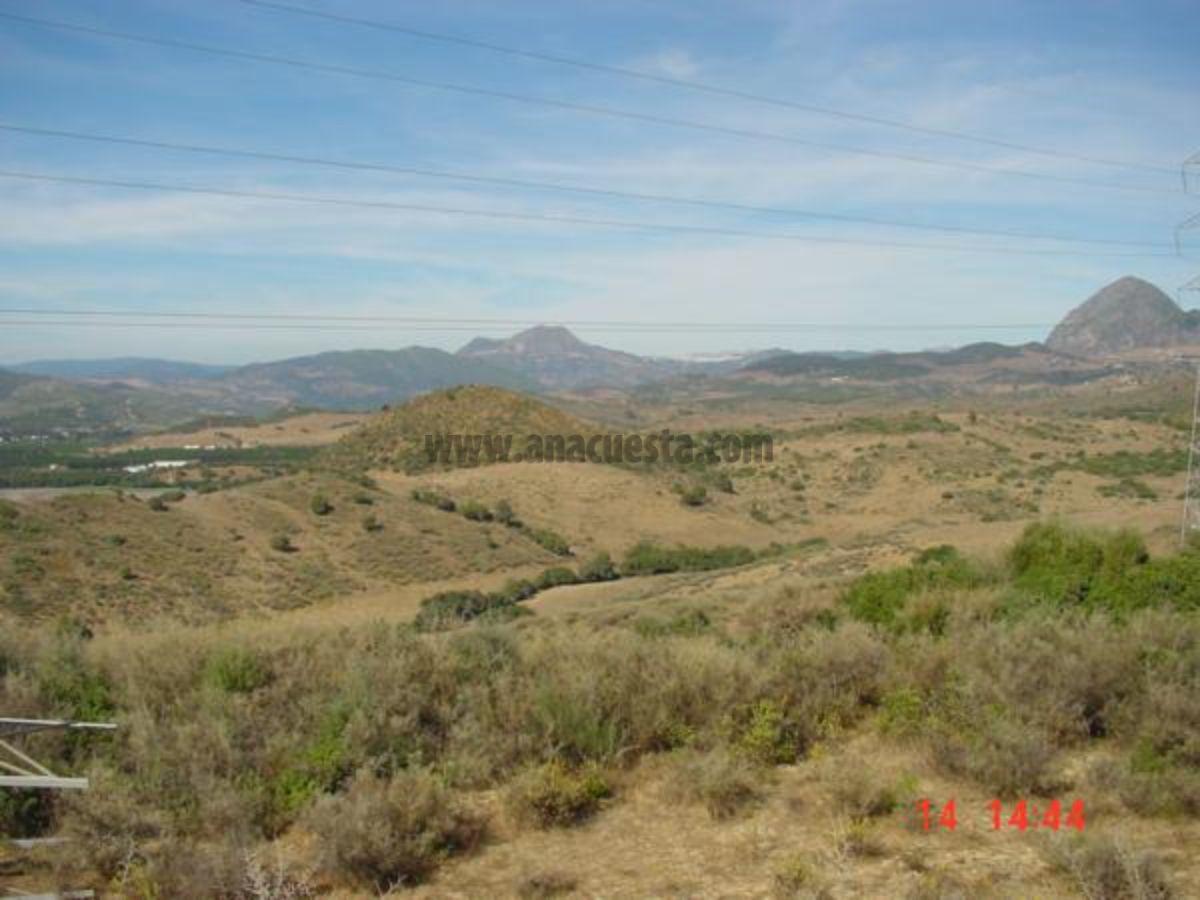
1101	78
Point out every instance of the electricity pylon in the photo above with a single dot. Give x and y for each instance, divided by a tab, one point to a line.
19	769
1191	493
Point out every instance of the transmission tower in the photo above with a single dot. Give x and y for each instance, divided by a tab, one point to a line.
19	769
1190	165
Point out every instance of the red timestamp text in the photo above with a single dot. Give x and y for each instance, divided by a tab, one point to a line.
1022	815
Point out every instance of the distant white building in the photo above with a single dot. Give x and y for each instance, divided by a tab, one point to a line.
156	464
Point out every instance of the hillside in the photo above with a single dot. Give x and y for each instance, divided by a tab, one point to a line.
974	365
395	438
31	404
1126	315
361	379
129	368
110	556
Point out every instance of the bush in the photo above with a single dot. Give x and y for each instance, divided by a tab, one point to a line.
157	503
514	591
725	783
881	598
475	511
282	543
450	608
552	795
320	505
763	733
237	671
556	576
1005	755
859	793
1107	868
505	515
371	523
694	495
433	498
599	568
549	540
646	558
391	833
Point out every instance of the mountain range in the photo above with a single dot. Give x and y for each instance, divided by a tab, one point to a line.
134	393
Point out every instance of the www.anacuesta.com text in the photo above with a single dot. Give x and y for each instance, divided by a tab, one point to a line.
661	446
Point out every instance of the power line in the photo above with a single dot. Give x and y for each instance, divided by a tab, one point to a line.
375	329
547	218
717	90
459	323
592	109
554	186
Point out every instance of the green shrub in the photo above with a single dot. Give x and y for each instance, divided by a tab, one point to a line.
694	495
475	511
553	795
433	498
391	833
881	598
236	670
1128	487
514	591
687	623
320	505
550	540
598	568
1056	565
25	813
556	576
282	543
71	687
646	558
371	523
505	514
451	608
763	733
157	503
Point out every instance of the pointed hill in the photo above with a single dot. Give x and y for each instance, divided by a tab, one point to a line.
556	359
1126	315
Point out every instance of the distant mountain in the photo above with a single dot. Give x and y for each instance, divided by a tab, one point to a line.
876	367
1126	315
359	379
129	368
983	363
556	359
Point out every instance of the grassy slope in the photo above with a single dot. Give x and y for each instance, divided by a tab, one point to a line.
751	741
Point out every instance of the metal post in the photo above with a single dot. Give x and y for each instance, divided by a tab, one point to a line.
18	769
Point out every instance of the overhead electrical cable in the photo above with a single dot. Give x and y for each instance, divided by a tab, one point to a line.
460	323
552	219
592	109
703	87
475	178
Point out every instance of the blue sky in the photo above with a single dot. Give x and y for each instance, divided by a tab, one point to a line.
1099	78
